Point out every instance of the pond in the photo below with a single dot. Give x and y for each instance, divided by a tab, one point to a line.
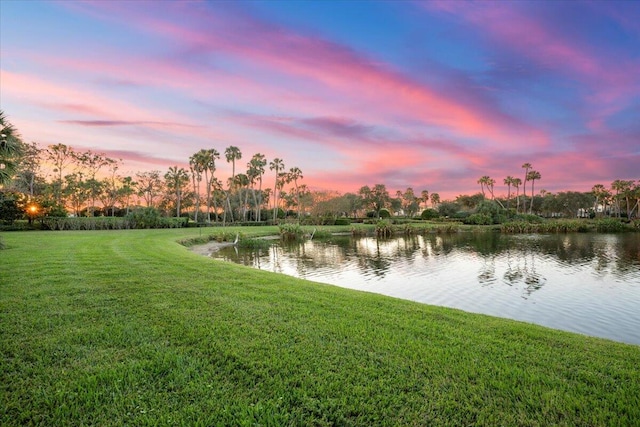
585	282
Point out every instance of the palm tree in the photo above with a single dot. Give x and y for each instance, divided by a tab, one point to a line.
508	181
208	159
635	193
532	176
232	153
425	198
241	183
623	190
599	192
11	148
255	172
483	181
526	167
277	165
435	200
177	179
517	182
196	167
294	175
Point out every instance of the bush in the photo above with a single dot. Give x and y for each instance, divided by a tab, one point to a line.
254	243
611	225
291	232
384	213
384	228
479	219
9	207
519	226
93	223
151	218
448	209
429	214
343	221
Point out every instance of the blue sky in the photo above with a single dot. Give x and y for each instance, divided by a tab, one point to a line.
430	95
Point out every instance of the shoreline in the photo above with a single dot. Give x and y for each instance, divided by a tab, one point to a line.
207	249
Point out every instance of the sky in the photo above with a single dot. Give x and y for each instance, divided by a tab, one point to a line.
424	94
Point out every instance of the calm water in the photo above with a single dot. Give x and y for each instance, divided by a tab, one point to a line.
586	283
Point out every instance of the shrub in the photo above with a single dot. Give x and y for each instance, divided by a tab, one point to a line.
384	228
479	219
384	213
429	214
519	226
343	221
291	232
611	225
448	209
254	243
151	218
9	207
92	223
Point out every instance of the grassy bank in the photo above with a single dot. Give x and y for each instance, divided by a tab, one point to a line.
130	328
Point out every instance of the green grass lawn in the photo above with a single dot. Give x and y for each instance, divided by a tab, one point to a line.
131	328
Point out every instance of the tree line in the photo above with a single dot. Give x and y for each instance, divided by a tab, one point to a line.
58	180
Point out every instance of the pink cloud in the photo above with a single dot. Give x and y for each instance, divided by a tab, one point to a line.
311	60
611	79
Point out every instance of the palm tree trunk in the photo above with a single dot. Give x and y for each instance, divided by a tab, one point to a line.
531	203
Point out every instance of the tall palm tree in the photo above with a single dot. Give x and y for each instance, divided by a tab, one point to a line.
197	168
517	182
635	193
241	184
207	160
508	181
294	175
599	192
177	179
483	182
255	172
526	167
232	153
425	197
532	176
276	165
435	200
623	191
11	148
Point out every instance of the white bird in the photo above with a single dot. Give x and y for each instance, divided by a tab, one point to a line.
314	232
235	242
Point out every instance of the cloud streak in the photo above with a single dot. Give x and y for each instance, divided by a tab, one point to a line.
455	91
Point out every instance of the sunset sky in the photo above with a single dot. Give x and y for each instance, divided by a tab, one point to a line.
426	94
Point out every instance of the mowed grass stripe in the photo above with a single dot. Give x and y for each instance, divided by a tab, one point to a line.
129	327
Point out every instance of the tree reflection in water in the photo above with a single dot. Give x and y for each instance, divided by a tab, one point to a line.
564	276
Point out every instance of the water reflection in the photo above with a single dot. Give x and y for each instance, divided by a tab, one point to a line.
586	283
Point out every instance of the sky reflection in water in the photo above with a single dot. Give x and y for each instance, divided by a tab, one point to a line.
586	283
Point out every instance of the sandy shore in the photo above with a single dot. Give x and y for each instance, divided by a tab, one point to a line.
208	248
